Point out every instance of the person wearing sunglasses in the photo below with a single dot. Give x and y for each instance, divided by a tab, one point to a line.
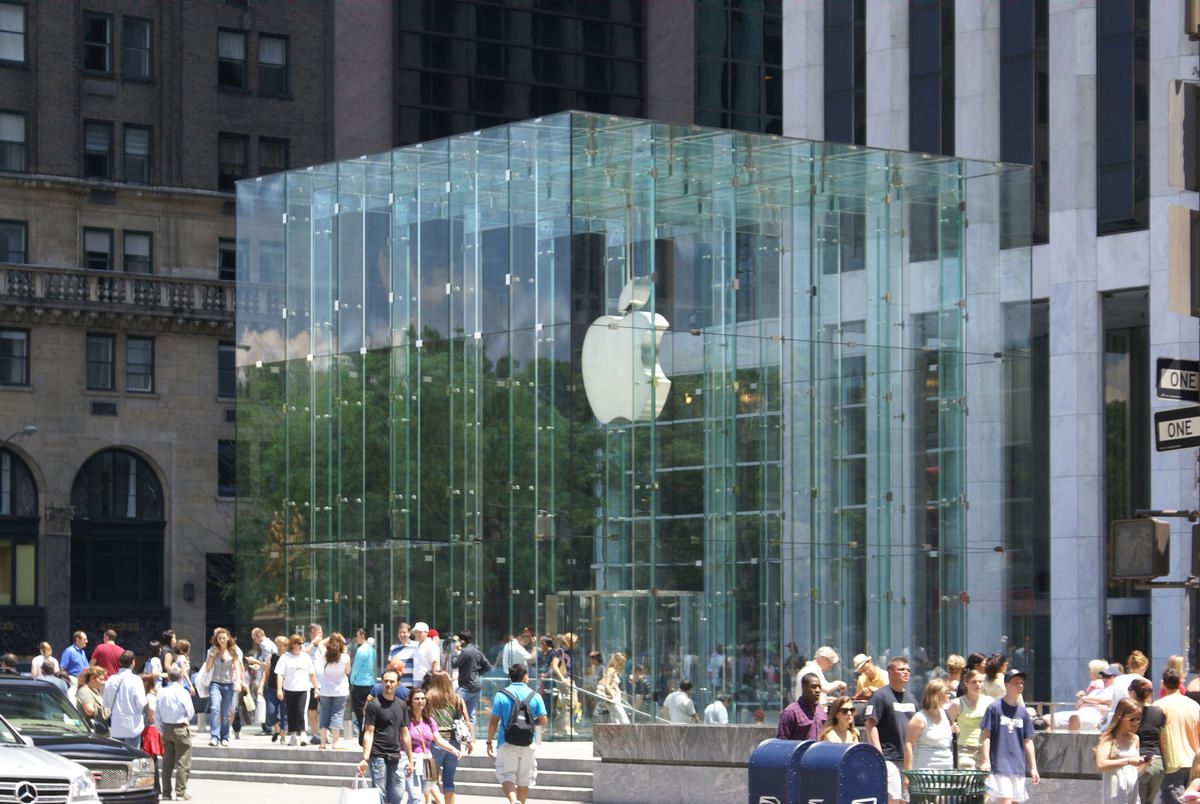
1118	757
840	726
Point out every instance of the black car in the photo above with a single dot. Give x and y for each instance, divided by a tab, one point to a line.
41	712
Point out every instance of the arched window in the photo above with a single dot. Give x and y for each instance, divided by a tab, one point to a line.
117	534
116	484
18	532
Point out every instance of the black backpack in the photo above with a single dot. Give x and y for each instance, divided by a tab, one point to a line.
519	729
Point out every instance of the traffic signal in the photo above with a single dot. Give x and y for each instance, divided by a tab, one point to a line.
1139	549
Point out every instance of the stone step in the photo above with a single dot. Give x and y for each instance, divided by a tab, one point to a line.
559	779
546	792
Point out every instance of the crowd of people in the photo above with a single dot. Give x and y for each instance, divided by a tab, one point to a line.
973	716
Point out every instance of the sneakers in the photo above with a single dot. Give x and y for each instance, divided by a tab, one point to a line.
183	797
224	743
275	737
292	740
213	741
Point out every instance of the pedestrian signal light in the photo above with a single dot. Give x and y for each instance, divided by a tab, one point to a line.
1139	549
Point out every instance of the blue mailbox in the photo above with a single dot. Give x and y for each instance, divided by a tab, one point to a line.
809	772
839	773
775	771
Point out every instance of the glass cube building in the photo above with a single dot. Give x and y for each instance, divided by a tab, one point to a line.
685	393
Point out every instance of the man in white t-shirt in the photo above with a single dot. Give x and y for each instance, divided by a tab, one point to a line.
717	712
678	706
824	660
426	658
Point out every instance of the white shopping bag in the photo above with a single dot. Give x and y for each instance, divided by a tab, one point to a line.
360	792
260	712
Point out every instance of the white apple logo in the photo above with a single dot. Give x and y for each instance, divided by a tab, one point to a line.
621	373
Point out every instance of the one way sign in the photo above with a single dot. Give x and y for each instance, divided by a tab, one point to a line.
1178	379
1177	429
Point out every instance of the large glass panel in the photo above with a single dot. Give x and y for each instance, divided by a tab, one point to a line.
695	396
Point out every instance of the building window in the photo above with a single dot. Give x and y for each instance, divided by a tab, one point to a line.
231	156
137	63
227	259
931	76
272	65
139	365
18	570
846	71
738	66
231	59
12	142
227	468
97	150
138	253
1025	116
97	249
1122	116
14	357
97	43
14	243
12	32
101	362
272	155
226	370
137	155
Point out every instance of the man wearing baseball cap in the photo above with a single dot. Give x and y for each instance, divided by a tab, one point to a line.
1007	743
427	657
870	677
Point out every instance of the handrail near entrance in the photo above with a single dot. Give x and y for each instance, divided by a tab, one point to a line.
633	713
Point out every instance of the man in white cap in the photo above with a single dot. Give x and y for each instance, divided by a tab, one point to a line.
870	677
824	660
426	658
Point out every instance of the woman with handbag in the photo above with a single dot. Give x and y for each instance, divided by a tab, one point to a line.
449	712
424	735
608	692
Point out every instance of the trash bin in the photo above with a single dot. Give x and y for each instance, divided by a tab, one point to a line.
775	771
840	773
946	786
794	772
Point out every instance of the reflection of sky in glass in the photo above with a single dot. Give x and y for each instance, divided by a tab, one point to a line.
1116	377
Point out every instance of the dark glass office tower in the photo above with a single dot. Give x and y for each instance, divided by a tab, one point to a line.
463	65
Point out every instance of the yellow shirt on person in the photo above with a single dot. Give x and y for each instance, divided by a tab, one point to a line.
1179	733
877	681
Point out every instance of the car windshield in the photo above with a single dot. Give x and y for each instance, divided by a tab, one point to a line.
40	707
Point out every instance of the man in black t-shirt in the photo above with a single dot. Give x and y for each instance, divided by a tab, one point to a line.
887	716
385	737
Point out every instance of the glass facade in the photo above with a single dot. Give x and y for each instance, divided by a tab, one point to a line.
635	381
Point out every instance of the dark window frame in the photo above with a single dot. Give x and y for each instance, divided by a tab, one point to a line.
108	257
7	255
851	61
92	47
87	261
233	170
23	33
286	145
23	143
141	369
229	68
145	176
1131	171
226	370
137	262
128	50
1024	92
90	154
226	468
274	75
931	37
97	368
227	247
24	360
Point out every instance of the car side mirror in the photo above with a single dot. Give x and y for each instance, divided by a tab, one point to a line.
99	726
